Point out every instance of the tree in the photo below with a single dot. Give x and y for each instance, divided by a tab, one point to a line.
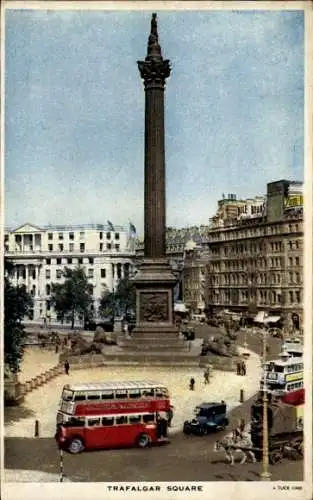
18	303
121	301
107	303
73	297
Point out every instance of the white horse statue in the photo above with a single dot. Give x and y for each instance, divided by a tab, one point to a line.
233	443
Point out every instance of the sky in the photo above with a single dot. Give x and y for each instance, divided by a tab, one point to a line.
74	112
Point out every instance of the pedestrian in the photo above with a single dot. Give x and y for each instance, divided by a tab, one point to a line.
161	427
56	348
189	345
192	384
67	367
170	415
206	376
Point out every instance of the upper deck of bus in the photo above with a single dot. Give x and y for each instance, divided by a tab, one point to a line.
119	385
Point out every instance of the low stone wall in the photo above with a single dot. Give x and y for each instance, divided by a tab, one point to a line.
220	362
83	361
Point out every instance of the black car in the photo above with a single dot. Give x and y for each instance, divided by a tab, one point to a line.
209	417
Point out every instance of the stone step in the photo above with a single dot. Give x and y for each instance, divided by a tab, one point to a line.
156	340
153	359
156	337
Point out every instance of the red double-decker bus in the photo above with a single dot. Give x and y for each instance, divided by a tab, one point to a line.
111	415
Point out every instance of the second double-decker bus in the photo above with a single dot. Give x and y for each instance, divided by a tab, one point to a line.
284	379
111	415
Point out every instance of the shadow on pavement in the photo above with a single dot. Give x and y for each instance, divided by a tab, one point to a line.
15	413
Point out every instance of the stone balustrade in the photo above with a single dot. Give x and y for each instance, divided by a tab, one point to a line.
41	379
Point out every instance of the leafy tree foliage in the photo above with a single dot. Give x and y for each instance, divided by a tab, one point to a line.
17	304
119	302
73	297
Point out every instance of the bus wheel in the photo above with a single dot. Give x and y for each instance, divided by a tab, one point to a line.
76	446
143	441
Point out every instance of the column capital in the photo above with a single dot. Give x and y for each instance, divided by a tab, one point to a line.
154	69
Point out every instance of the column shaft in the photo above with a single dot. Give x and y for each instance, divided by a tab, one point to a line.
154	172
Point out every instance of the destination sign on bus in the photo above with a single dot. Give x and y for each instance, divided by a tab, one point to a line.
291	377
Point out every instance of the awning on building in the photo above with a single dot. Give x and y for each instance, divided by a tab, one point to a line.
271	319
260	317
180	307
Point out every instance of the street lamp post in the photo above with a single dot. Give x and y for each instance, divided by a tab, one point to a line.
265	474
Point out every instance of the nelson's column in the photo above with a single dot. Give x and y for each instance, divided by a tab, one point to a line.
155	335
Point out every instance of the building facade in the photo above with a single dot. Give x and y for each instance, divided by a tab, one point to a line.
39	255
256	257
194	277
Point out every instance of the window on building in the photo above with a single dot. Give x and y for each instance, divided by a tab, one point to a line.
117	247
50	236
101	247
103	273
61	247
90	273
290	261
59	274
59	261
71	236
48	262
91	260
117	236
48	305
48	274
80	261
71	247
50	248
82	235
298	297
108	246
101	235
291	297
82	247
48	289
108	236
70	260
60	236
297	261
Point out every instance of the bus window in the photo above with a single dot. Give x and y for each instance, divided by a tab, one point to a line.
121	420
92	422
107	395
107	421
75	422
161	392
121	394
148	418
134	419
134	393
79	396
67	395
92	396
147	393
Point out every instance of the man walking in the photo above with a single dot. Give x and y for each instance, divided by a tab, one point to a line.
67	367
206	376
